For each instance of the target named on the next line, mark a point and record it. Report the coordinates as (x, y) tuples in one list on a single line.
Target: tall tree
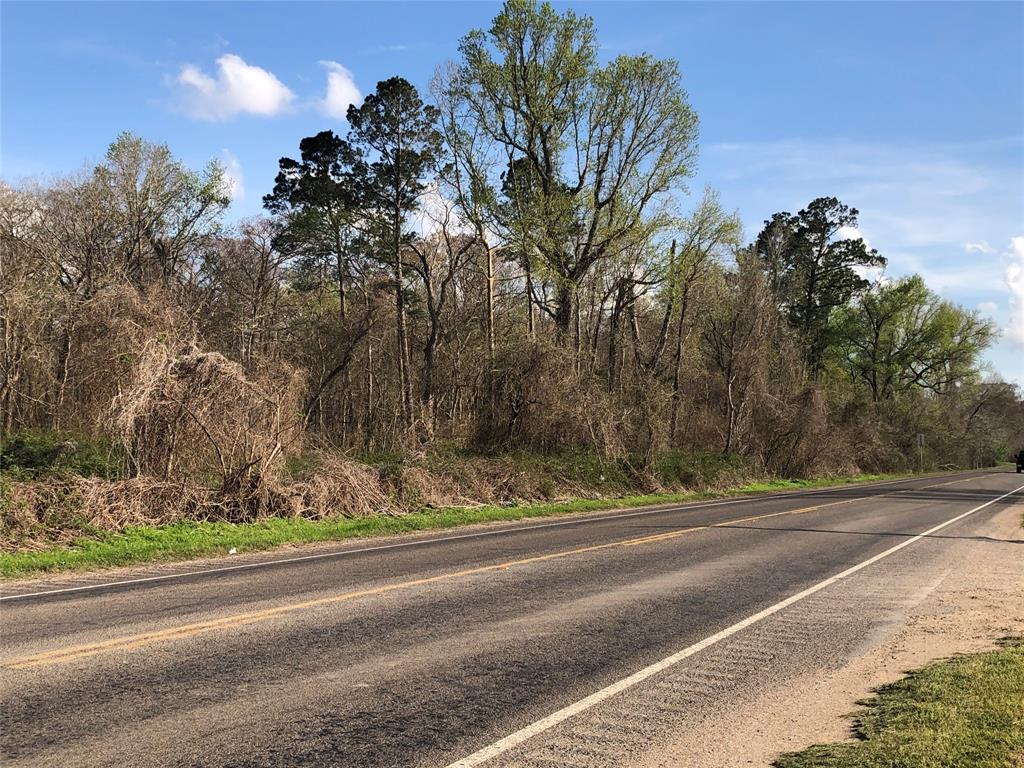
[(398, 145), (735, 338), (900, 336), (602, 147), (245, 277), (316, 196), (440, 255), (813, 270), (707, 235), (464, 180), (164, 212)]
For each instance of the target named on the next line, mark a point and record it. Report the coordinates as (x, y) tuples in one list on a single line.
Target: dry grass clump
[(63, 507), (340, 487), (419, 487), (190, 413), (58, 510), (54, 511)]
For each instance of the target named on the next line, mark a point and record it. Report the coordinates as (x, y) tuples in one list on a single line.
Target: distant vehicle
[(1020, 461)]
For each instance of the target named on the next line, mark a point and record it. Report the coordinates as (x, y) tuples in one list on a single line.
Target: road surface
[(579, 641)]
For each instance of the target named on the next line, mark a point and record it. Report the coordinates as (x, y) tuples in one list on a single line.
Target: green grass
[(185, 540), (766, 486), (35, 455), (965, 711)]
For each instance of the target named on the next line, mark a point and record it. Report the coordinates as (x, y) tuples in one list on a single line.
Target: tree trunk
[(531, 330), (564, 305), (576, 339), (347, 406), (490, 308), (400, 326), (677, 364), (613, 335), (731, 415), (63, 366), (429, 353)]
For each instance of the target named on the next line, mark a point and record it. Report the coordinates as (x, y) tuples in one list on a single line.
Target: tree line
[(509, 261)]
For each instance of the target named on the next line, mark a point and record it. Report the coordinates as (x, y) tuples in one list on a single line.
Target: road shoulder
[(964, 611)]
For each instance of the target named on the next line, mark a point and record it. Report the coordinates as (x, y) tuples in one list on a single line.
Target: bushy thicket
[(505, 299)]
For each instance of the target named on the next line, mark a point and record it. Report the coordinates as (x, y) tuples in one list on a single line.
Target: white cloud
[(917, 195), (1015, 282), (988, 308), (980, 247), (437, 211), (233, 175), (852, 233), (396, 48), (341, 90), (238, 88), (871, 274)]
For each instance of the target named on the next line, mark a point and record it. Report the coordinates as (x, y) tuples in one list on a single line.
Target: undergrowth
[(94, 547)]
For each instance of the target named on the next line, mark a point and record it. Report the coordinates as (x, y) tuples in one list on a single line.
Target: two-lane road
[(572, 641)]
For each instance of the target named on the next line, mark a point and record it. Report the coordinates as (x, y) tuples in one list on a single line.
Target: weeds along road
[(559, 642)]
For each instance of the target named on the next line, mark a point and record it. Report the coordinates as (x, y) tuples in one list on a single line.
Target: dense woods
[(510, 262)]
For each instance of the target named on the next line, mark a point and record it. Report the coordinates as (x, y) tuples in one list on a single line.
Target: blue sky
[(911, 112)]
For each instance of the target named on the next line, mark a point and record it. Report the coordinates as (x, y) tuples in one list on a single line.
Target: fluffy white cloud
[(988, 308), (341, 90), (436, 212), (238, 88), (979, 247), (1015, 282), (233, 175), (852, 233), (872, 274)]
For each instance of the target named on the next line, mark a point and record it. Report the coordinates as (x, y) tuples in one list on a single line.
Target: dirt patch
[(972, 605)]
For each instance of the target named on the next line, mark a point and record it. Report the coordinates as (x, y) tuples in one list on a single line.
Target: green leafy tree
[(901, 336), (706, 236), (812, 270), (398, 149), (593, 152), (164, 212), (316, 197)]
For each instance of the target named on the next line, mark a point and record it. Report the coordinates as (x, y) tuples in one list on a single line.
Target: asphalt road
[(565, 642)]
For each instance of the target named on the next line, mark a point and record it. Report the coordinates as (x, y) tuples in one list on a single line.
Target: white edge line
[(523, 734), (683, 507)]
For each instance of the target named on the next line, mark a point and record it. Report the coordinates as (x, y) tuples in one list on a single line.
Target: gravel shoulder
[(964, 610)]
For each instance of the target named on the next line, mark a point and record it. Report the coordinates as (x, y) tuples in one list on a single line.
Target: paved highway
[(577, 641)]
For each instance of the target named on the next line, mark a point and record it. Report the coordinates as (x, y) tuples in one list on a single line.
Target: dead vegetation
[(502, 352), (189, 413), (63, 507)]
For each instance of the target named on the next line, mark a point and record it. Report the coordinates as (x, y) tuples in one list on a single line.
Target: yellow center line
[(664, 536), (77, 652), (800, 511), (187, 630)]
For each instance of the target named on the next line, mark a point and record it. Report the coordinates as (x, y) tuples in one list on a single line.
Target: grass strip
[(964, 711), (184, 540)]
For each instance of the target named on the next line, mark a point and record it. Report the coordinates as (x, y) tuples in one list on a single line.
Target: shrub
[(36, 454)]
